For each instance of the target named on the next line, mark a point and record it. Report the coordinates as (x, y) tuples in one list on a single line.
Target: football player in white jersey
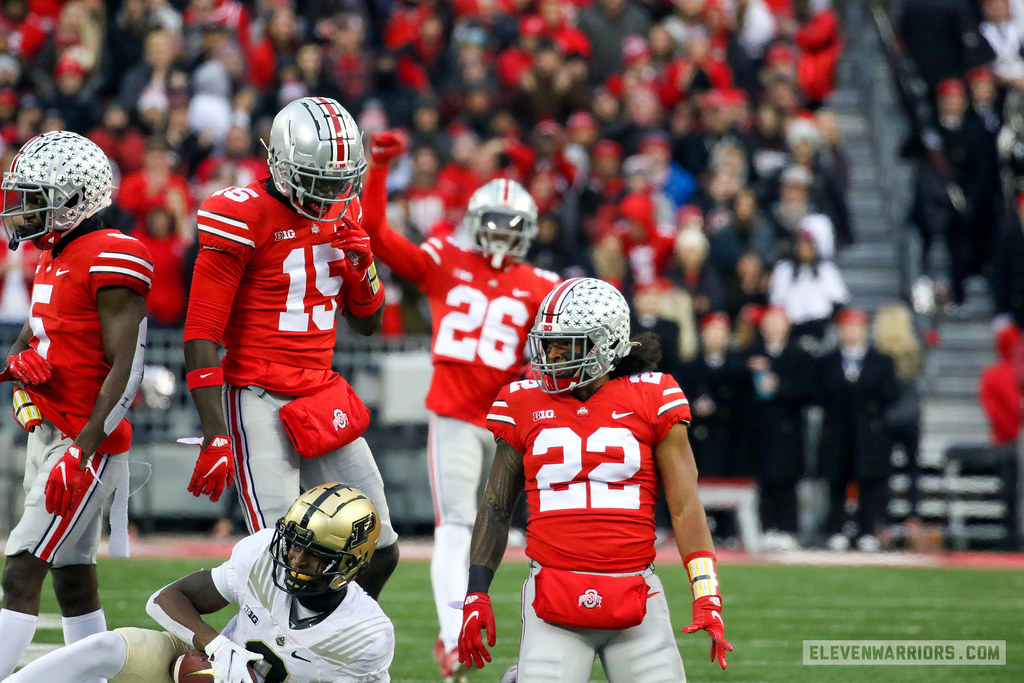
[(300, 616)]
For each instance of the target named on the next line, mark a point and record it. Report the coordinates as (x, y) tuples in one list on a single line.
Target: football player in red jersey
[(483, 299), (79, 359), (588, 440), (278, 261)]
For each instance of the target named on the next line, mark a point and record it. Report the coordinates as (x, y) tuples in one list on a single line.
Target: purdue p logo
[(340, 419), (590, 599)]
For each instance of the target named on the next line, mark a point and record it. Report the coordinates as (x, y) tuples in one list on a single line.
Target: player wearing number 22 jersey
[(588, 440), (483, 299), (279, 260)]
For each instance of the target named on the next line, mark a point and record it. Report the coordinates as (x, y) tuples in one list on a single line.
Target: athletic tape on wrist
[(205, 377), (700, 567)]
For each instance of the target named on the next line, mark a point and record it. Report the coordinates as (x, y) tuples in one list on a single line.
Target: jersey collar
[(94, 224)]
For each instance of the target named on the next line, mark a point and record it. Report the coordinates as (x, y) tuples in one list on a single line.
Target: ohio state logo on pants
[(340, 419), (590, 599)]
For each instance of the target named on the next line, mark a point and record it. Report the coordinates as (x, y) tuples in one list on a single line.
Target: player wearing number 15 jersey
[(482, 302), (588, 440), (279, 260)]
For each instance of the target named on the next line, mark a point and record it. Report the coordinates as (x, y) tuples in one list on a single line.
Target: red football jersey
[(479, 314), (591, 479), (65, 324), (281, 330)]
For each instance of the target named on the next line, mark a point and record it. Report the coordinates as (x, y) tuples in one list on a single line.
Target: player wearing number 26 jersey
[(279, 260), (588, 439), (482, 302)]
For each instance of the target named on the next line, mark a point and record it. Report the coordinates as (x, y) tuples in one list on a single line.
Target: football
[(194, 667)]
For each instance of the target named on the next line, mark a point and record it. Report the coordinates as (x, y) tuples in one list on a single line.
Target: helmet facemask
[(338, 567), (501, 235), (315, 192)]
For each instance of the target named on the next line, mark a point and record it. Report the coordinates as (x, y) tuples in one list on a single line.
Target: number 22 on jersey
[(596, 487), (480, 328)]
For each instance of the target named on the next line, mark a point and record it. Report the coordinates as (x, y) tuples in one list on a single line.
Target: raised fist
[(387, 146)]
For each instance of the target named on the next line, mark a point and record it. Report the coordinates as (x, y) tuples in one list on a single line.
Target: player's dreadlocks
[(643, 358)]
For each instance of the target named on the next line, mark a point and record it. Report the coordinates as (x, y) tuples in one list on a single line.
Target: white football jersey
[(355, 642)]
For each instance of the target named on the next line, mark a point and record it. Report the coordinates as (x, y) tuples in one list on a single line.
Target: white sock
[(83, 626), (17, 629), (95, 658), (449, 574), (76, 628)]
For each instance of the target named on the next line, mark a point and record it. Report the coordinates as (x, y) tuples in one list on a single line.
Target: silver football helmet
[(581, 332), (335, 524), (501, 221), (316, 157), (57, 180)]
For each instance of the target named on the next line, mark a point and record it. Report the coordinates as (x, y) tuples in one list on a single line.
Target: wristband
[(205, 377), (370, 290), (700, 567), (480, 577)]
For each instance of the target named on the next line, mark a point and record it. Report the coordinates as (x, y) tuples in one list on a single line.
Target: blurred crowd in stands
[(681, 149)]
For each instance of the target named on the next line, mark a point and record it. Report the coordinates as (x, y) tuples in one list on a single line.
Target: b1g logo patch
[(284, 235), (590, 599), (543, 414)]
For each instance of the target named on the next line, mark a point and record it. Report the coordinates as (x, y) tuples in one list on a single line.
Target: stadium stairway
[(885, 261)]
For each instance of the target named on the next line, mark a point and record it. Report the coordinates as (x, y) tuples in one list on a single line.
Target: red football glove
[(214, 470), (476, 614), (387, 146), (356, 245), (707, 615), (68, 482), (29, 367)]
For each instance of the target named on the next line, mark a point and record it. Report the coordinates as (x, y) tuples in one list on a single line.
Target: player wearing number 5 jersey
[(79, 358), (278, 261), (482, 302), (588, 440)]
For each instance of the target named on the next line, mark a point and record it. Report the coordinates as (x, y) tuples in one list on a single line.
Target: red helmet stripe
[(334, 116), (554, 298), (507, 186)]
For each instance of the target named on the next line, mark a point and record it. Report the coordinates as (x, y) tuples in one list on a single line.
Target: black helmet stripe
[(324, 495)]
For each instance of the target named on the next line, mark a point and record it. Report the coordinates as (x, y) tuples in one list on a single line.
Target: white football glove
[(230, 660)]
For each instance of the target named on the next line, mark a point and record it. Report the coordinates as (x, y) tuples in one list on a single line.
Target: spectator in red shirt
[(145, 190), (820, 45), (458, 179), (999, 391), (280, 42), (166, 302), (515, 61), (565, 36), (350, 65), (236, 166), (119, 140), (426, 201)]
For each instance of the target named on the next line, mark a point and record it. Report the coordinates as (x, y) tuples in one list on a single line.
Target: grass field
[(769, 611)]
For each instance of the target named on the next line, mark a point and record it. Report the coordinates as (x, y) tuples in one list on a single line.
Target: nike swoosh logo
[(223, 460), (298, 656), (205, 375), (472, 615), (61, 271), (63, 473), (616, 416), (520, 292), (716, 615)]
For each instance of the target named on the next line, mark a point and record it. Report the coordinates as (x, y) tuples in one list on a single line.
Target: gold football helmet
[(333, 522)]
